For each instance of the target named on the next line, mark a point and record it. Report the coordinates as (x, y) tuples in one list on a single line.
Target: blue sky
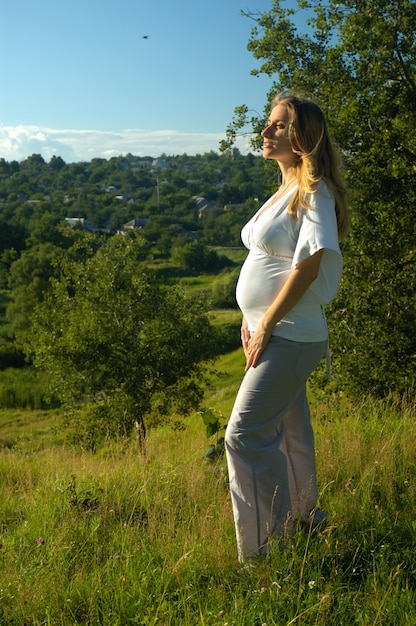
[(78, 79)]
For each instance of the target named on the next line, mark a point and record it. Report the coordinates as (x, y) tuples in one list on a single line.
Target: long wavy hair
[(317, 158)]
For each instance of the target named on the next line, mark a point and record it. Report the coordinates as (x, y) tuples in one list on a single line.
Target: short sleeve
[(319, 230)]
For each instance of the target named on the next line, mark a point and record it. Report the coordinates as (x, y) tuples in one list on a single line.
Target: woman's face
[(276, 143)]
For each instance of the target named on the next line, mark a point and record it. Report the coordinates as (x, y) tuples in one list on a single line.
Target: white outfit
[(269, 438), (276, 244)]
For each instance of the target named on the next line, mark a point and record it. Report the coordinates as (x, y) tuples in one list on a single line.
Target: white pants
[(270, 445)]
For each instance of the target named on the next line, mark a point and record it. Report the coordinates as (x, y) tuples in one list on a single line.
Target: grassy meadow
[(116, 539)]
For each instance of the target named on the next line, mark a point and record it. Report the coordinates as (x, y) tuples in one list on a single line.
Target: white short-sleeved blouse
[(276, 243)]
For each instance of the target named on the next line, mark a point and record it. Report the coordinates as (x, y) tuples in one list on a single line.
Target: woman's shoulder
[(323, 189), (320, 196)]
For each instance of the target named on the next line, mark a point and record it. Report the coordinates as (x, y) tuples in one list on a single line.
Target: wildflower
[(221, 613), (41, 541), (311, 584)]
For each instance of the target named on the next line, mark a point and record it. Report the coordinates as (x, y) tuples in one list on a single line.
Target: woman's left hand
[(258, 341)]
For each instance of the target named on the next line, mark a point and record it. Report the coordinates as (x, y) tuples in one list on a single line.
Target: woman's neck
[(286, 184), (289, 174)]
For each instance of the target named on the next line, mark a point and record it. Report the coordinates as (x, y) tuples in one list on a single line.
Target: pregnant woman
[(292, 269)]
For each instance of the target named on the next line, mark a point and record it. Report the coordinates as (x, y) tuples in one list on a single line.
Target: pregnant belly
[(261, 279)]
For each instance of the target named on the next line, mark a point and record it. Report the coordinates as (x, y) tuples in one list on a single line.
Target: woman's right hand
[(245, 336)]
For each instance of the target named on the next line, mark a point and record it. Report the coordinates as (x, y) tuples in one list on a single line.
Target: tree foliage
[(28, 279), (110, 336), (357, 59), (198, 258)]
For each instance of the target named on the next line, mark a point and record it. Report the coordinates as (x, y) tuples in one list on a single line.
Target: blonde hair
[(317, 158)]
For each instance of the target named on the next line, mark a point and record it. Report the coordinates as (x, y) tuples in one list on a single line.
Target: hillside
[(113, 538)]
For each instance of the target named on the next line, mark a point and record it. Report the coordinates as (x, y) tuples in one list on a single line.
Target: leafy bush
[(196, 257)]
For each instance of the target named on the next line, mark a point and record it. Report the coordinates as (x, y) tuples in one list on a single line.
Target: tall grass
[(116, 539)]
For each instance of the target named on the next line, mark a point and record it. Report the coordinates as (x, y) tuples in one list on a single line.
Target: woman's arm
[(300, 278)]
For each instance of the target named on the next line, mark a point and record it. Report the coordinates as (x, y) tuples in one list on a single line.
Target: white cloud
[(19, 142)]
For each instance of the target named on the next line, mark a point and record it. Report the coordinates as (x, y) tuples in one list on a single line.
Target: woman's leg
[(258, 468), (297, 444)]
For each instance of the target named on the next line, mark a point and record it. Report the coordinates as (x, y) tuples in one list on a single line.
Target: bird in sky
[(145, 37)]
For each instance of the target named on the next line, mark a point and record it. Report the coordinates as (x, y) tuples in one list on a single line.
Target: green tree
[(111, 338), (46, 226), (196, 257), (358, 60), (56, 163), (29, 279), (11, 235), (34, 163)]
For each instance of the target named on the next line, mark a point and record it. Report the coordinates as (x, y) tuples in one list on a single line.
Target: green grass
[(127, 540), (35, 430)]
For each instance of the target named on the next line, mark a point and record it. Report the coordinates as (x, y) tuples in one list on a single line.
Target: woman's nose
[(266, 131)]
